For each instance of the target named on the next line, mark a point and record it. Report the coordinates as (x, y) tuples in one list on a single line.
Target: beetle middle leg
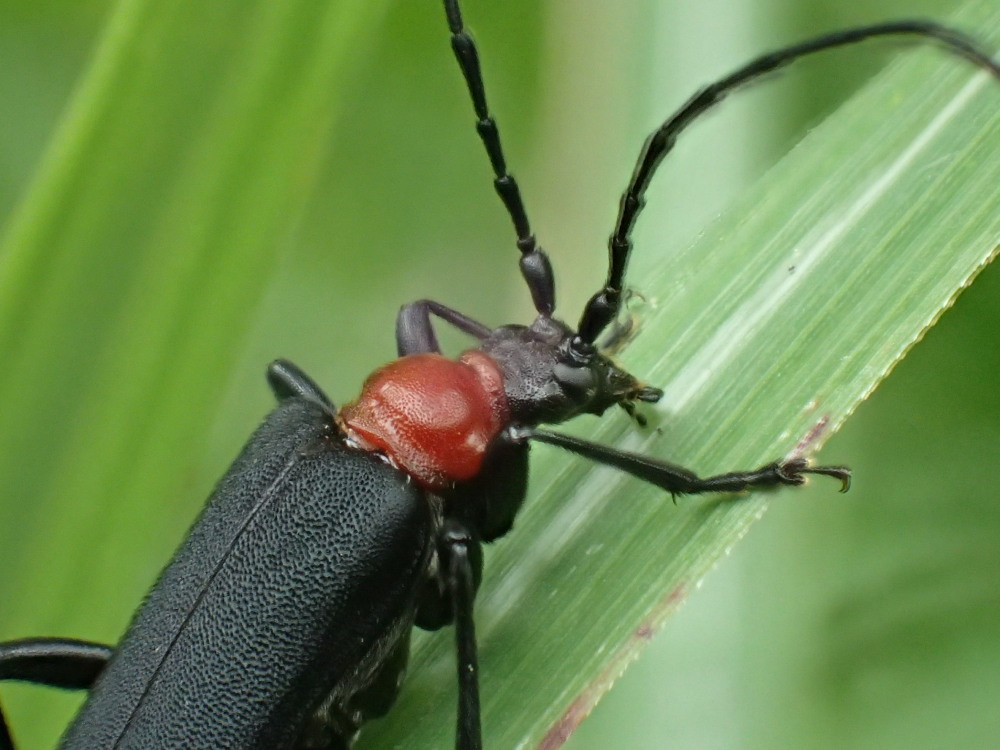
[(56, 662), (460, 547), (448, 597)]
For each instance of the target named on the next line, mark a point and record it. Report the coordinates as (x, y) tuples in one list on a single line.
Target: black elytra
[(284, 618)]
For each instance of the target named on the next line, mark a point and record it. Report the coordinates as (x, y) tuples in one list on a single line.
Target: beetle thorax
[(433, 417)]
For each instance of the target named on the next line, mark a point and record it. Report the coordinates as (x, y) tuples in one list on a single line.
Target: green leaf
[(765, 334), (129, 273)]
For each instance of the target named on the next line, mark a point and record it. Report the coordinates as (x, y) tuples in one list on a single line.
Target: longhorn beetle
[(283, 620)]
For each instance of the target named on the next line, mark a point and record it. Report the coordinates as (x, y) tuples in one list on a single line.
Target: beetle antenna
[(603, 307), (535, 266)]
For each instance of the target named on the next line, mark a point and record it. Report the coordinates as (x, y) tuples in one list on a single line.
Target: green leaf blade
[(765, 335), (129, 274)]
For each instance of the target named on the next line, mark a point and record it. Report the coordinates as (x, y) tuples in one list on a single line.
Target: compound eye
[(578, 381)]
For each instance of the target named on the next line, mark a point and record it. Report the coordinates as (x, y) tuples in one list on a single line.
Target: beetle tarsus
[(795, 468)]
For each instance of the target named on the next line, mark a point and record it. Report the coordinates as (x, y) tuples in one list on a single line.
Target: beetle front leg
[(287, 380), (415, 334), (680, 481), (57, 662)]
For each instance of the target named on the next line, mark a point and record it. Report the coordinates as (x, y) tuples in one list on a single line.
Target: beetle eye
[(577, 380)]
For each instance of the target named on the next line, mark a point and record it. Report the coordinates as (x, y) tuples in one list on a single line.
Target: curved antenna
[(535, 266), (603, 307)]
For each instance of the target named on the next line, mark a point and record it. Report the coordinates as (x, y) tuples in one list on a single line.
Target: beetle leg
[(335, 724), (415, 334), (288, 381), (459, 552), (490, 501), (680, 481), (57, 662)]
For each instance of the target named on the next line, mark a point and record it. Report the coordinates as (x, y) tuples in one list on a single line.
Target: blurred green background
[(857, 621)]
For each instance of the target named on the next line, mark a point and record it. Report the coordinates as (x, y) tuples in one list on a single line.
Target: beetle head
[(551, 375)]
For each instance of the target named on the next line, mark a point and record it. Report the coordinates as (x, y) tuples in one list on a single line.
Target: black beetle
[(264, 630)]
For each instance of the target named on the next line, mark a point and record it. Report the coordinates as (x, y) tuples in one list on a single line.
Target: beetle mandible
[(394, 493)]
